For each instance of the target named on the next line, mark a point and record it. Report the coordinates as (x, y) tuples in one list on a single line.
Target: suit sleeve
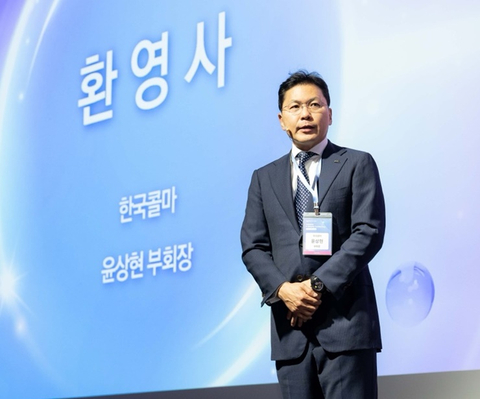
[(256, 244), (366, 214)]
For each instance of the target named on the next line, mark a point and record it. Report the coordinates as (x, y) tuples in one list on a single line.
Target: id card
[(317, 233)]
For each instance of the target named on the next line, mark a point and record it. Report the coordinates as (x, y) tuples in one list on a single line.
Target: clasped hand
[(301, 300)]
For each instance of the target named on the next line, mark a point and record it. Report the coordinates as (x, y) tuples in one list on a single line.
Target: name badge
[(317, 233)]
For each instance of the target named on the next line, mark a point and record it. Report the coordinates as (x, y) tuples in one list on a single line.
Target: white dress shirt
[(311, 165)]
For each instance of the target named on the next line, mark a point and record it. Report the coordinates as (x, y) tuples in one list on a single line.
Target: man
[(325, 331)]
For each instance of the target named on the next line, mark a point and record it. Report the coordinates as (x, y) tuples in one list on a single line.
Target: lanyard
[(312, 188)]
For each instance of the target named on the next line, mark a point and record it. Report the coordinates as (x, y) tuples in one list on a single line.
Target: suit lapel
[(333, 159), (281, 180)]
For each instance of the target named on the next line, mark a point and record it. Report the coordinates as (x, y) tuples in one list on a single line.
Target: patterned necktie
[(303, 195)]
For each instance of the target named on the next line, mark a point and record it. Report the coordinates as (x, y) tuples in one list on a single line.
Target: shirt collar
[(317, 149)]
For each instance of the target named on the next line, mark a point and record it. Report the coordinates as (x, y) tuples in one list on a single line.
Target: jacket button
[(299, 278)]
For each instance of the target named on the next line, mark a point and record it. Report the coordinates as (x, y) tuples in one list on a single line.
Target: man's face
[(305, 115)]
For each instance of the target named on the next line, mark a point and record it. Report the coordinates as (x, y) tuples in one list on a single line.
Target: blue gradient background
[(403, 81)]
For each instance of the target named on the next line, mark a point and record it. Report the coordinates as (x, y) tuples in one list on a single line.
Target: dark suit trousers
[(321, 375)]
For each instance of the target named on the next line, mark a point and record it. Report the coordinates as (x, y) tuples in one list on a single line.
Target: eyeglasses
[(296, 109)]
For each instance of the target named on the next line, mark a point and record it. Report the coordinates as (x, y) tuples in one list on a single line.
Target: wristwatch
[(317, 284)]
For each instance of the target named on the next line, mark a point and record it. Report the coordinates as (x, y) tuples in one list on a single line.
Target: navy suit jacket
[(349, 187)]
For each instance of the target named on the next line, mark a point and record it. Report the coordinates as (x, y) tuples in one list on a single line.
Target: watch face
[(317, 284)]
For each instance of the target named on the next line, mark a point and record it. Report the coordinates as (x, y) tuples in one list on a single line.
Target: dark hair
[(302, 77)]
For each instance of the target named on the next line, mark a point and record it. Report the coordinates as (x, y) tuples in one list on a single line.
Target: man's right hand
[(301, 300)]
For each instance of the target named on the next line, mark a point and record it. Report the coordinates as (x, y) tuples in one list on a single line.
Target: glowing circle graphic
[(410, 294)]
